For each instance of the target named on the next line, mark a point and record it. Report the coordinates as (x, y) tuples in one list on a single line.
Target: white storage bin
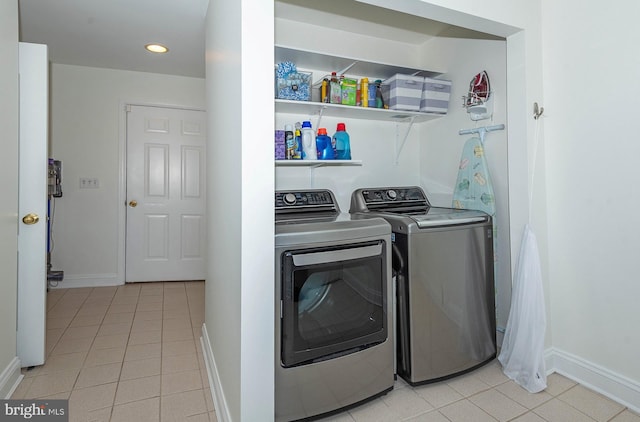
[(403, 92), (435, 96)]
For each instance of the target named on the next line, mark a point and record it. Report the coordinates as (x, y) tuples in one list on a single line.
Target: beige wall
[(9, 185), (87, 131)]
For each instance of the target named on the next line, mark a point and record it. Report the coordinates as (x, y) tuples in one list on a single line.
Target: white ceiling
[(112, 33)]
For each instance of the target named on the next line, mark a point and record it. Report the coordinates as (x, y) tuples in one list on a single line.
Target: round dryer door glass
[(313, 292)]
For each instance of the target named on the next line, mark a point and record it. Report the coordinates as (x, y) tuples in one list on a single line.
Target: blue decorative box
[(291, 84), (295, 86)]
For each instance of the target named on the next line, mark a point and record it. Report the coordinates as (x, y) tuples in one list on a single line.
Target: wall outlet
[(89, 183)]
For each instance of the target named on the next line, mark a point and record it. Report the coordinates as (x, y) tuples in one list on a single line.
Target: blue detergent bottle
[(323, 145), (341, 143)]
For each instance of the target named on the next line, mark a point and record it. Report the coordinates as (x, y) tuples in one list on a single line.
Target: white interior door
[(166, 233), (32, 204)]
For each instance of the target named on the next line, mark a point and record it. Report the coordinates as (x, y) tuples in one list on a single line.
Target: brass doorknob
[(133, 203), (30, 218)]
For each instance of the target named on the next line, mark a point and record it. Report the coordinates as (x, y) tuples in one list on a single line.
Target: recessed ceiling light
[(156, 48)]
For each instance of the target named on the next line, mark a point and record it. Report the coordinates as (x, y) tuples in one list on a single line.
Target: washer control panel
[(389, 199), (393, 194)]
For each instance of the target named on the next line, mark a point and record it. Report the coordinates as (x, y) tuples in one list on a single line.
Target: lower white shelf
[(317, 163)]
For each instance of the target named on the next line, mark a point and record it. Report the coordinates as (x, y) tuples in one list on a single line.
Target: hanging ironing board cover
[(473, 189)]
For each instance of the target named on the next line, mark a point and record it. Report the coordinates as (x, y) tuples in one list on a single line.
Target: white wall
[(86, 134), (239, 290), (441, 145), (9, 368), (591, 93), (373, 143), (223, 295)]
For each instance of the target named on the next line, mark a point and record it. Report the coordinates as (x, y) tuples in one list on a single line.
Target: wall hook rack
[(537, 111), (482, 131)]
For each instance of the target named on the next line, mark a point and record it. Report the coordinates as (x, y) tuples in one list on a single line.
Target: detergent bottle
[(323, 145), (309, 151), (342, 143)]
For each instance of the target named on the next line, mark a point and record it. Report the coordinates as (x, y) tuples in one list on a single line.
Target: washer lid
[(409, 205), (448, 216)]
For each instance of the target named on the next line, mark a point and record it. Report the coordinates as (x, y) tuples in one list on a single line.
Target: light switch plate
[(89, 183)]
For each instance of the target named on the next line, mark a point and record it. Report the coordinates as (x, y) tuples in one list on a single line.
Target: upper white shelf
[(354, 112), (328, 63), (311, 60)]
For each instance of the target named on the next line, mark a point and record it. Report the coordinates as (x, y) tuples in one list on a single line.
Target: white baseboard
[(602, 380), (10, 378), (219, 401), (499, 337), (71, 281)]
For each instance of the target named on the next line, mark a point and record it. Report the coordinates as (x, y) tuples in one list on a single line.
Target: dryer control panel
[(305, 201)]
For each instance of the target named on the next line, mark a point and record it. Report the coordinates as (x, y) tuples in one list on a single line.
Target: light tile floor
[(127, 353), (132, 353), (486, 394)]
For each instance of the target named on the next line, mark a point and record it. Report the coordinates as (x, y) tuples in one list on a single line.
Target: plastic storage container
[(435, 96), (294, 86), (323, 145), (342, 143), (403, 92), (309, 151)]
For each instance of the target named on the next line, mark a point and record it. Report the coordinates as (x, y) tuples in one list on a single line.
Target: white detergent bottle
[(309, 151)]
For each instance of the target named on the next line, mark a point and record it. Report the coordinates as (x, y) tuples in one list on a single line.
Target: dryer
[(333, 320), (443, 261)]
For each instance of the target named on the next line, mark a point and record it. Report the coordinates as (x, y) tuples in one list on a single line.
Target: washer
[(333, 322), (443, 262)]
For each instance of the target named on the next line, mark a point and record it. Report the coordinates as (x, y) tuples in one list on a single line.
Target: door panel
[(156, 177), (193, 237), (191, 172), (157, 237), (165, 194)]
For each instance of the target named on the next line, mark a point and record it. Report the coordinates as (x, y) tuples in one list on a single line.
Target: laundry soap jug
[(309, 151), (341, 142), (323, 145)]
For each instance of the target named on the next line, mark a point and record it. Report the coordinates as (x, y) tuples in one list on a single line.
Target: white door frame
[(122, 175), (32, 237)]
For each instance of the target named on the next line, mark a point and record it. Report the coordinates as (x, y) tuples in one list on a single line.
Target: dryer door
[(333, 301)]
